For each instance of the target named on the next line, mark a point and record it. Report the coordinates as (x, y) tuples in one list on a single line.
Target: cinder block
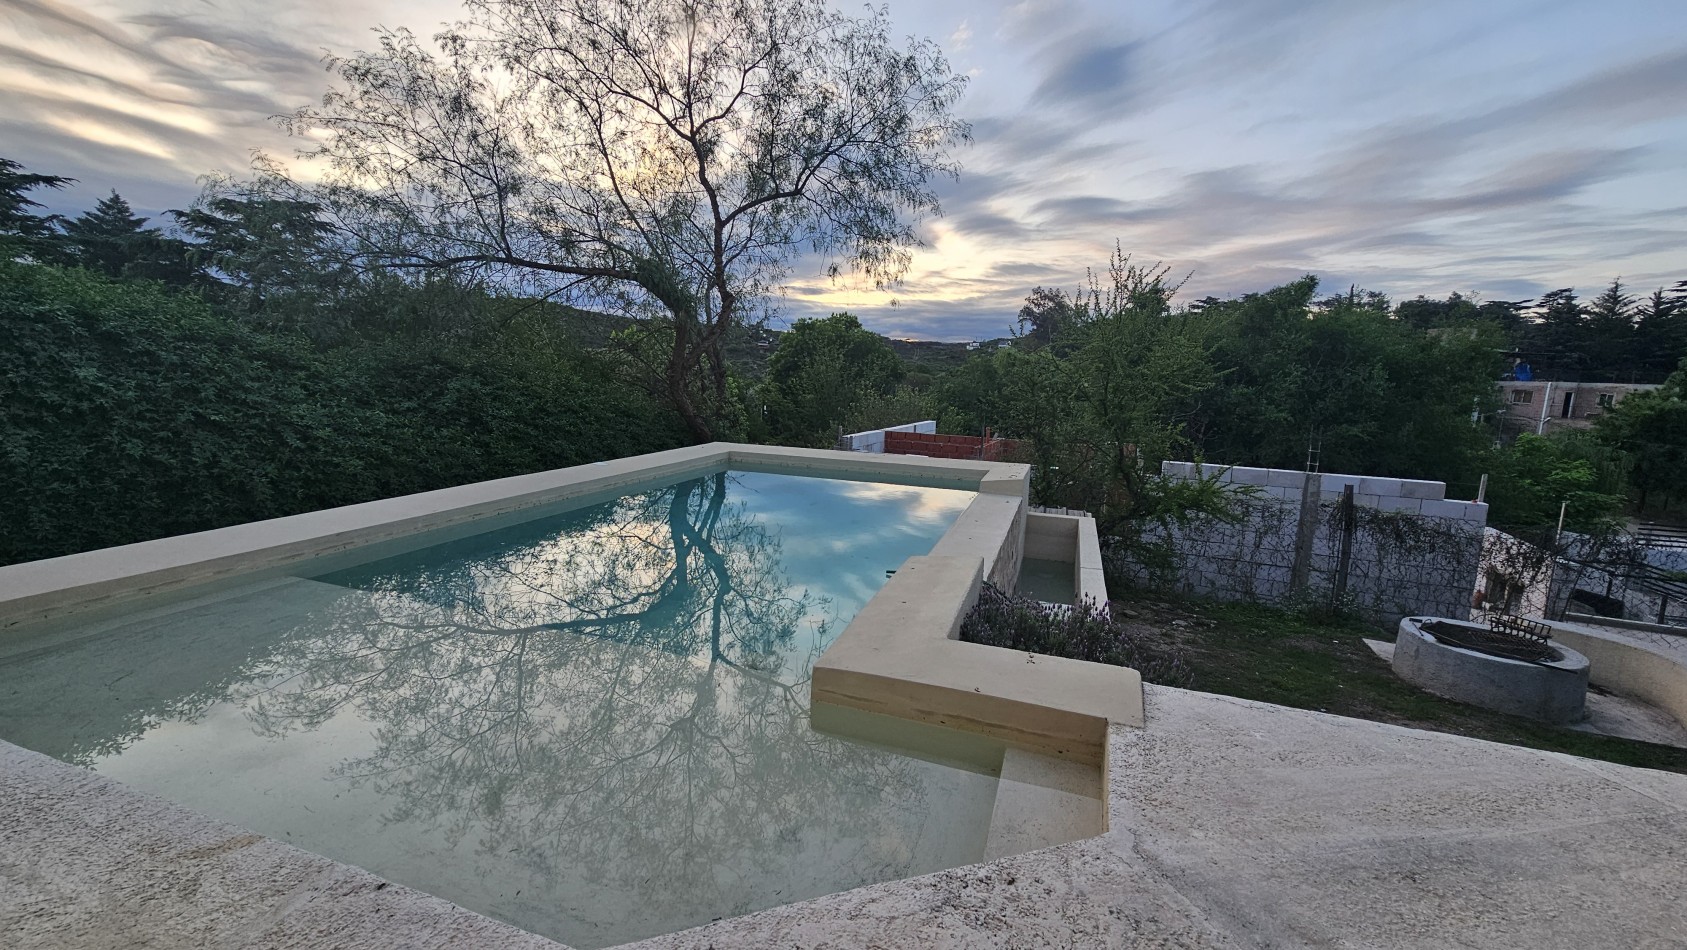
[(1249, 476), (1461, 510), (1285, 478), (1397, 503), (1336, 483), (1379, 486), (1413, 488)]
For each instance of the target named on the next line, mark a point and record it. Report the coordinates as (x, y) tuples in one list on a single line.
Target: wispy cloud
[(1411, 146)]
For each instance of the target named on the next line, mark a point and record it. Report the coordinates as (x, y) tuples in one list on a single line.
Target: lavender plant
[(1085, 631)]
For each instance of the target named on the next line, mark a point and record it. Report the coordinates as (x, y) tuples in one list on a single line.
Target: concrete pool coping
[(900, 657), (41, 590)]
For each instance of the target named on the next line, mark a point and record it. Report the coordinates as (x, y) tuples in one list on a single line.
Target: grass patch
[(1293, 659)]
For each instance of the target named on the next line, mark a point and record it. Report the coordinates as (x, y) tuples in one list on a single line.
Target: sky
[(1501, 148)]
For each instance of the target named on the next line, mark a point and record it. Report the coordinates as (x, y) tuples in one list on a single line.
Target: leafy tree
[(1358, 299), (824, 372), (1111, 396), (1375, 395), (1143, 370), (267, 254), (971, 393), (1046, 314), (1534, 476), (1651, 428), (1457, 309), (901, 405), (1423, 313), (129, 412), (669, 157), (23, 233)]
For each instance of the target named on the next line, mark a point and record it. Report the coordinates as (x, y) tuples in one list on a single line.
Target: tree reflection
[(625, 704)]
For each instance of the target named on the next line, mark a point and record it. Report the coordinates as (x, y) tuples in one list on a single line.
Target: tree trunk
[(681, 365)]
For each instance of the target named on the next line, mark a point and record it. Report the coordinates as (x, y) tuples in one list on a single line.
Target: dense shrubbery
[(130, 412), (1086, 631), (238, 367)]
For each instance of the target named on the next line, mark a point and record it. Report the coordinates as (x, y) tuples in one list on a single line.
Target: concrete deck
[(1233, 824)]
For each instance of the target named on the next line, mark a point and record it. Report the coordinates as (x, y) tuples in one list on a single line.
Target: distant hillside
[(926, 356), (748, 348)]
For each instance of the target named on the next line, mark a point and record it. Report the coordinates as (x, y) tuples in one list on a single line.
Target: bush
[(129, 412), (1086, 631)]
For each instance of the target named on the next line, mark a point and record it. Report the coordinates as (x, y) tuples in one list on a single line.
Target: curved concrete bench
[(1630, 668)]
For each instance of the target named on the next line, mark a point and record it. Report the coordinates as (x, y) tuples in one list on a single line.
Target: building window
[(1607, 400), (1569, 404), (1522, 395)]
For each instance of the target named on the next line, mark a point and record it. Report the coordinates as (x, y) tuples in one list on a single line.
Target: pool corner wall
[(1069, 539)]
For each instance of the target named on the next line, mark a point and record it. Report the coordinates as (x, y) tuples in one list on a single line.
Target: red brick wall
[(947, 446)]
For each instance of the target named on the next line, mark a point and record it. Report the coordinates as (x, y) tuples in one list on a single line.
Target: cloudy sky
[(1502, 147)]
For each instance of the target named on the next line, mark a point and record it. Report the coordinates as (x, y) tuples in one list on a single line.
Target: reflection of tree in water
[(620, 700)]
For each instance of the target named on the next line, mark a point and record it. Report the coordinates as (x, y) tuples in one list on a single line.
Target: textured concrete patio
[(1233, 824)]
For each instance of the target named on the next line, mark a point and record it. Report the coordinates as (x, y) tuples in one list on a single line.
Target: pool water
[(592, 724), (1048, 581)]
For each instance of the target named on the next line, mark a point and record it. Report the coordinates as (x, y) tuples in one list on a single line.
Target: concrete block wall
[(874, 439), (1412, 551), (1384, 494)]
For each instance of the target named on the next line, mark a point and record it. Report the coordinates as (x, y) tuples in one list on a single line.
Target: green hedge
[(128, 412)]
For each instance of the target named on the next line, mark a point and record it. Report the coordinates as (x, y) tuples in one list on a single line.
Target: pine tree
[(1610, 334), (1660, 333), (1557, 336), (109, 238), (22, 232)]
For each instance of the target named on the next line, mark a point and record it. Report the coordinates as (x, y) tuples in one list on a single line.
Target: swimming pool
[(592, 722)]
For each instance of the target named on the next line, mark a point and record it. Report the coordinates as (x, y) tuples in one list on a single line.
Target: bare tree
[(669, 158)]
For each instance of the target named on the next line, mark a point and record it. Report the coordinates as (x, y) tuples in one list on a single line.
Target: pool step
[(1043, 801)]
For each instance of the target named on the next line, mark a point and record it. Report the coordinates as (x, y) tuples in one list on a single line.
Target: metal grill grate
[(1512, 638)]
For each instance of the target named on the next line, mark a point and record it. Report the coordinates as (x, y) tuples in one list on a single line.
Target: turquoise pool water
[(592, 724)]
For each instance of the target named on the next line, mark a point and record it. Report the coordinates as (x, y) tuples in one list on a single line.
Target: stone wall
[(1410, 549)]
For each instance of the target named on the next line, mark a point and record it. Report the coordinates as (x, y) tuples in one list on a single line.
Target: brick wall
[(934, 445)]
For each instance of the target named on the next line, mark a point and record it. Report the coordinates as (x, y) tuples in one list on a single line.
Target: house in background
[(1542, 406)]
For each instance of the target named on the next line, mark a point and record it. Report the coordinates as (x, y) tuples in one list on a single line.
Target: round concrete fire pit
[(1486, 667)]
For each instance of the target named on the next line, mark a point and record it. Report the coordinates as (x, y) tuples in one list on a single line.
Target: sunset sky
[(1502, 148)]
